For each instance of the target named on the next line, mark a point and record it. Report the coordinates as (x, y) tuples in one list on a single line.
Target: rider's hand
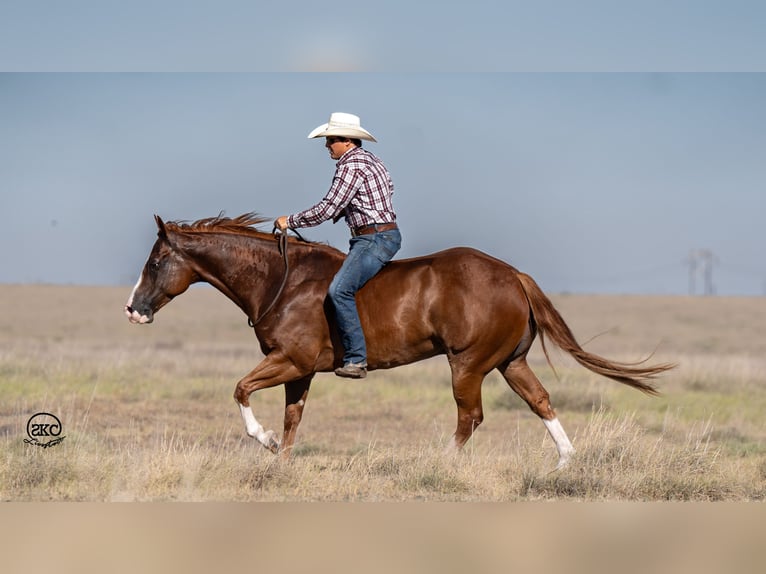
[(281, 222)]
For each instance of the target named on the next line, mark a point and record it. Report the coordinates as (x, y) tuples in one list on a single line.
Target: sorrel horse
[(479, 311)]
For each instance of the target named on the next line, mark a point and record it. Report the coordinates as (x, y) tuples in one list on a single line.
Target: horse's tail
[(549, 322)]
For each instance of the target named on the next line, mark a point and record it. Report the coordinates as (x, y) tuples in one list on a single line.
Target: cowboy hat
[(344, 125)]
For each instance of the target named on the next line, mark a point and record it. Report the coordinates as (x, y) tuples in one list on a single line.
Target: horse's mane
[(242, 224)]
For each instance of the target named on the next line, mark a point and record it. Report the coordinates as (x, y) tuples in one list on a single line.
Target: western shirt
[(361, 192)]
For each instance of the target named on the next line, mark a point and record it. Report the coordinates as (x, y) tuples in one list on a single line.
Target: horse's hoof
[(271, 442), (563, 463)]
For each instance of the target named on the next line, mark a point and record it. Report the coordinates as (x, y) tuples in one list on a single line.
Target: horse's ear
[(161, 233)]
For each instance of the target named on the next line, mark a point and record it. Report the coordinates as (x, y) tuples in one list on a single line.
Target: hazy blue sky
[(589, 182), (391, 35), (592, 182)]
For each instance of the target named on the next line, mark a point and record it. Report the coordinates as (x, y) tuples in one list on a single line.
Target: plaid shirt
[(360, 191)]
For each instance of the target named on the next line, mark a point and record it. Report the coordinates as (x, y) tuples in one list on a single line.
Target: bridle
[(281, 237)]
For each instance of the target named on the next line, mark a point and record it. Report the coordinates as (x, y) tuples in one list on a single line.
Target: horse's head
[(165, 275)]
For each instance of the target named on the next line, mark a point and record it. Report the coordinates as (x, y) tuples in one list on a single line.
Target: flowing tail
[(550, 323)]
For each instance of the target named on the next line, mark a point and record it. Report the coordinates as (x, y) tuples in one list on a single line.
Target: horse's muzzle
[(136, 317)]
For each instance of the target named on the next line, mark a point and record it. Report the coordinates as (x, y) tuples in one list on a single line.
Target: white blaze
[(133, 315)]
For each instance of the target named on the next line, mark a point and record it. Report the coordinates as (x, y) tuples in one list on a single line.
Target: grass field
[(148, 412)]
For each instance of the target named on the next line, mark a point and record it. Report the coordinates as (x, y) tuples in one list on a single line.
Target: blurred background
[(602, 147), (591, 182)]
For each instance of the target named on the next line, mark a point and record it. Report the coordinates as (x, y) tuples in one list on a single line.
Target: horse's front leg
[(274, 370), (295, 399)]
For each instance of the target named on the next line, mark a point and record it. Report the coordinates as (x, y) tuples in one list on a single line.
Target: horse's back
[(459, 268), (450, 299)]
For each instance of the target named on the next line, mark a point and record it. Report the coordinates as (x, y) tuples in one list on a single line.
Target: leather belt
[(373, 228)]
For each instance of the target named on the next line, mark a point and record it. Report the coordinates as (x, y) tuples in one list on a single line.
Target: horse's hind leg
[(295, 400), (466, 388), (522, 380)]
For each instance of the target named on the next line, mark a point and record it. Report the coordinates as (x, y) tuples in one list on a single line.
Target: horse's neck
[(220, 260)]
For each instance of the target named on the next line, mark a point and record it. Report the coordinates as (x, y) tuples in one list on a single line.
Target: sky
[(595, 147), (589, 182), (395, 35)]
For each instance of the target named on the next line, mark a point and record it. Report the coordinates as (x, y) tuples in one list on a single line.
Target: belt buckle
[(360, 230)]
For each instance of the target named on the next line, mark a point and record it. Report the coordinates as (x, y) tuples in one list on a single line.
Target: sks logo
[(44, 429)]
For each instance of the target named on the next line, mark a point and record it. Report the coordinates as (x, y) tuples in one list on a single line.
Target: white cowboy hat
[(344, 125)]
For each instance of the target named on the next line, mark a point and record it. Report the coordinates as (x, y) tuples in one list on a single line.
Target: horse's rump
[(445, 302)]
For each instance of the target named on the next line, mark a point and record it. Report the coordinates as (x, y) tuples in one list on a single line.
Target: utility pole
[(692, 261), (701, 263)]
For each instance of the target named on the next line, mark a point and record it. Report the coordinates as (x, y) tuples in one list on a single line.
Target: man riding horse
[(361, 193)]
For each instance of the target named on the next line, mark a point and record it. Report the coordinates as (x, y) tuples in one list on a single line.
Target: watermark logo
[(44, 429)]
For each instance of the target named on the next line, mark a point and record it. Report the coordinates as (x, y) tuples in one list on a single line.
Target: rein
[(282, 246)]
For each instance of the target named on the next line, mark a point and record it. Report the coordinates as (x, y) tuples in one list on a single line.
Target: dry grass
[(148, 412)]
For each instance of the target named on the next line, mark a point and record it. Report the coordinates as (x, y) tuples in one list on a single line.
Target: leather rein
[(281, 237)]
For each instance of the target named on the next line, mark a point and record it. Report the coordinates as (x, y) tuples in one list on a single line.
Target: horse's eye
[(154, 265)]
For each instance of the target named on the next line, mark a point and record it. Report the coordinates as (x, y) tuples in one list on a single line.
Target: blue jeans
[(366, 256)]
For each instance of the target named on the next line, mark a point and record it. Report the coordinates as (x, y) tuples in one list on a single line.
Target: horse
[(479, 311)]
